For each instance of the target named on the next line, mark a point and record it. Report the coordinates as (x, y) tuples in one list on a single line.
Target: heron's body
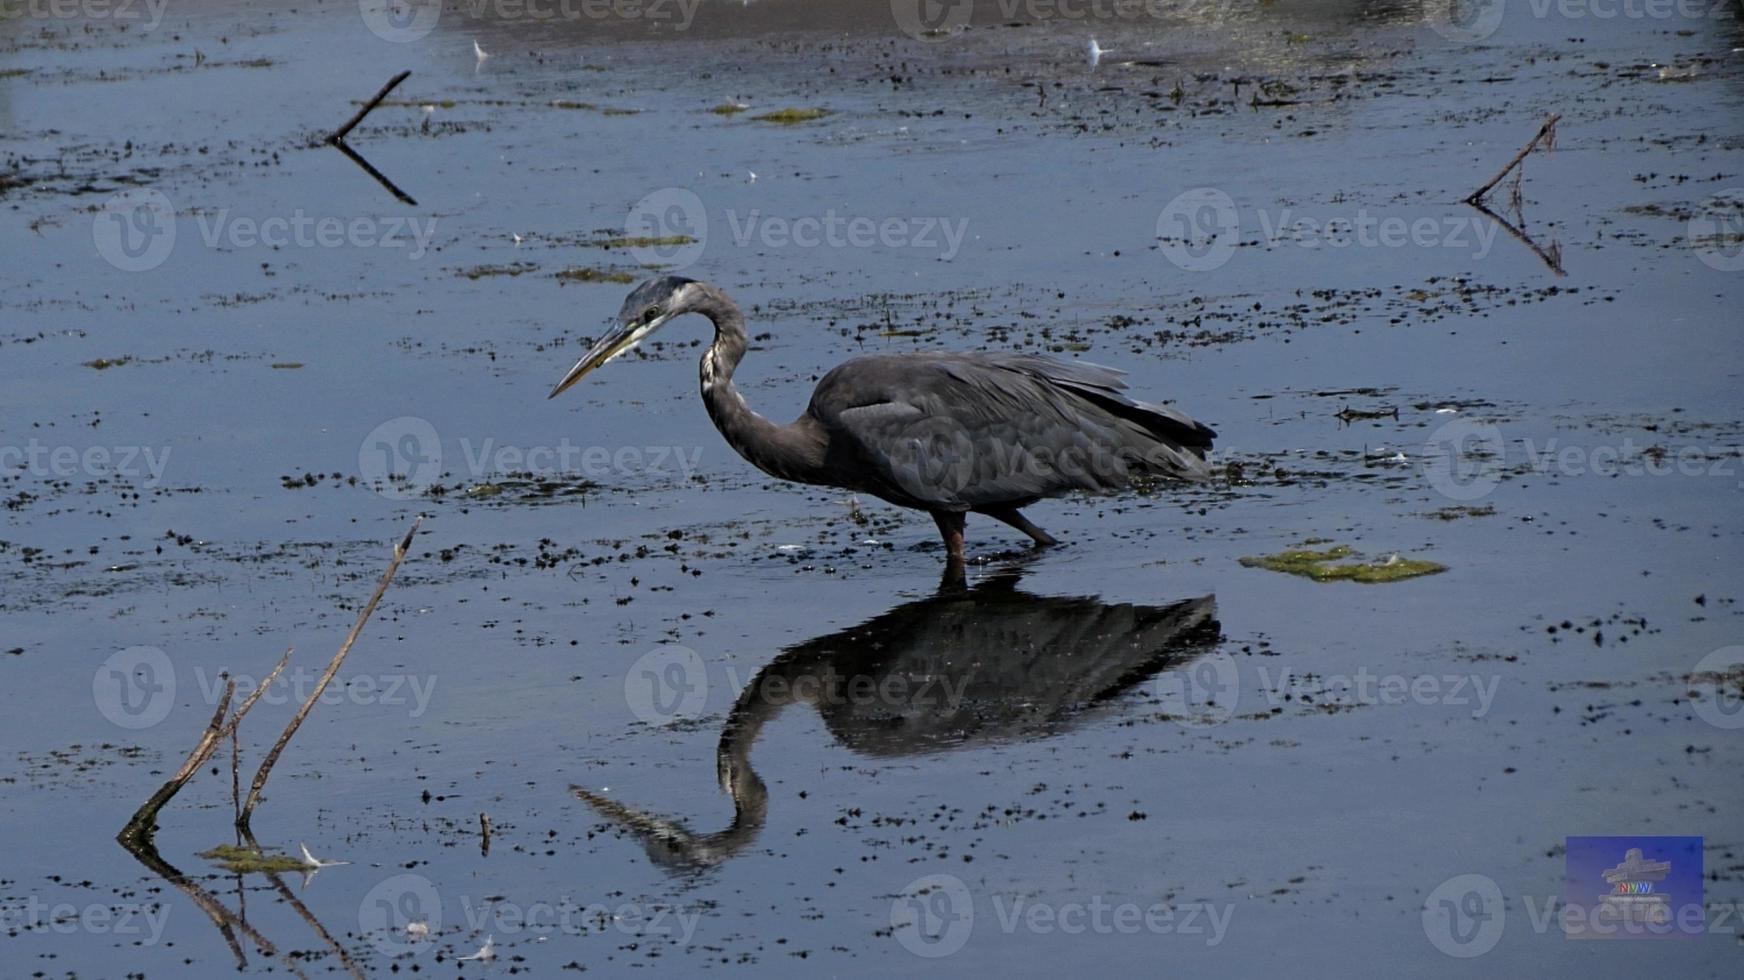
[(947, 433)]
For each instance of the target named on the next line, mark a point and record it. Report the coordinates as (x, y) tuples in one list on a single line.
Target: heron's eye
[(650, 314)]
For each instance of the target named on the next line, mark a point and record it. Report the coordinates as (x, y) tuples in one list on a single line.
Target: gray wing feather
[(961, 431)]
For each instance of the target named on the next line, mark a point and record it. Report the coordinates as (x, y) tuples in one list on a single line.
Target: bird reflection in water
[(961, 669)]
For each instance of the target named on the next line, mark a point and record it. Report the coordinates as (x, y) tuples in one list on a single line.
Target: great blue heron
[(945, 433), (952, 671)]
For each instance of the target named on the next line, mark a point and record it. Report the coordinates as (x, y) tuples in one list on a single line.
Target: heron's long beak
[(611, 345)]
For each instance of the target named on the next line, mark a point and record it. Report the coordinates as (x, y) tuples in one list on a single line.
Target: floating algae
[(595, 275), (792, 117), (247, 860), (1319, 566), (641, 241)]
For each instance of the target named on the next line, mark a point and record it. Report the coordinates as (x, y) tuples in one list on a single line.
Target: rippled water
[(717, 721)]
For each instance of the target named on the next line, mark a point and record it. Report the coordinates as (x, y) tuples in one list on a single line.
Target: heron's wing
[(958, 431)]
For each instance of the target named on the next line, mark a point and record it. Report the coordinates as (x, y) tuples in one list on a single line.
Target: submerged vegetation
[(792, 117), (247, 860), (1322, 566)]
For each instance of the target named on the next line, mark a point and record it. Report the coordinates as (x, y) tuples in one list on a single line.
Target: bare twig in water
[(139, 828), (484, 830), (1546, 134), (272, 756), (338, 135), (236, 722)]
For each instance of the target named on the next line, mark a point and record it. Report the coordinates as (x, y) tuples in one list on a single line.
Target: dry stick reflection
[(959, 669), (227, 922), (1551, 256), (337, 139)]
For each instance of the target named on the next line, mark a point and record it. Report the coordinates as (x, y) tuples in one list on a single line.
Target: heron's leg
[(1011, 516), (951, 524)]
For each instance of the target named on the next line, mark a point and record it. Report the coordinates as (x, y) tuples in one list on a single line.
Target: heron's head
[(646, 310)]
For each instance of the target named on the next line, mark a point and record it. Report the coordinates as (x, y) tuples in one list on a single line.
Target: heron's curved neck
[(785, 451)]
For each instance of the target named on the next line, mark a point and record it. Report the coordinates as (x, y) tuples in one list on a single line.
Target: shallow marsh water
[(1290, 768)]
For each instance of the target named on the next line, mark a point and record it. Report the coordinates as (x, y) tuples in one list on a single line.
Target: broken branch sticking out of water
[(1546, 134), (139, 828), (339, 134), (260, 776)]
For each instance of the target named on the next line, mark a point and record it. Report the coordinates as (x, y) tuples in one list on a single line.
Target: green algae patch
[(729, 109), (1328, 565), (1461, 511), (792, 117), (642, 241), (247, 860), (595, 275)]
